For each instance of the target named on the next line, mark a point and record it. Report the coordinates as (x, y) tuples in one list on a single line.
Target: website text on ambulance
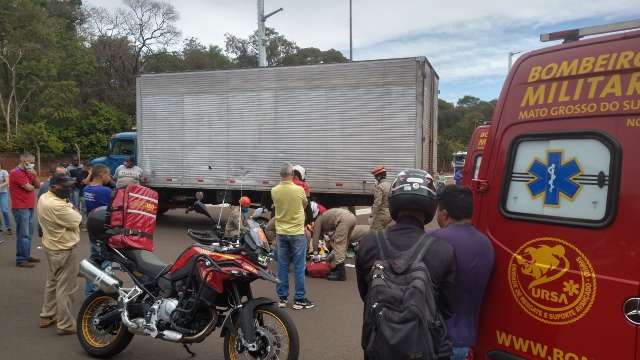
[(534, 348), (612, 86)]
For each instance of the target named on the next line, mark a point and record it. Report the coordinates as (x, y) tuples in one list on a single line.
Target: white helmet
[(301, 171)]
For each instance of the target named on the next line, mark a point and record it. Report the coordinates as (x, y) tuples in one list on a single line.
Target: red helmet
[(378, 170), (245, 202)]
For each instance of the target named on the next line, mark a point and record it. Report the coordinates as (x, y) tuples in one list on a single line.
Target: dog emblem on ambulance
[(552, 280)]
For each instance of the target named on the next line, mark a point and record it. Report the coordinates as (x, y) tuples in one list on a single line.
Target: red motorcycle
[(208, 287)]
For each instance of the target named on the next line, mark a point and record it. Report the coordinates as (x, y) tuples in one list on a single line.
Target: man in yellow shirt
[(60, 224), (290, 201)]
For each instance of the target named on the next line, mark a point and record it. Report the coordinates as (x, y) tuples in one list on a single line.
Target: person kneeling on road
[(60, 223), (342, 222), (238, 219)]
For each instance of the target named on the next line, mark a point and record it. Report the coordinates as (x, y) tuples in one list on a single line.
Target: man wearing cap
[(380, 216), (238, 219), (60, 223)]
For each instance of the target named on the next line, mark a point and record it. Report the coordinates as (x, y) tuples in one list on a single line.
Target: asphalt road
[(329, 331)]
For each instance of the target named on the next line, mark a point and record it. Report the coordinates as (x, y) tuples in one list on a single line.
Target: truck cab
[(474, 154), (121, 146), (558, 195)]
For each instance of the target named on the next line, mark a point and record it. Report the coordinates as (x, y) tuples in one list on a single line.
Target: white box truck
[(229, 130)]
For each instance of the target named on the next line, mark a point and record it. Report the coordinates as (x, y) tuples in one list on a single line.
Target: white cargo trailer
[(220, 131)]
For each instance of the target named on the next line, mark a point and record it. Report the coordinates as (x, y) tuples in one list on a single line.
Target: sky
[(467, 41)]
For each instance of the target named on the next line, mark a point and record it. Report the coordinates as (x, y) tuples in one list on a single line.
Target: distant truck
[(224, 131)]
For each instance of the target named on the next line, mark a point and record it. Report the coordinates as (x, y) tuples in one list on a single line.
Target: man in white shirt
[(128, 173)]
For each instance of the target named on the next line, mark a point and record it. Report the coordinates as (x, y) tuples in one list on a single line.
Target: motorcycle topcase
[(132, 217)]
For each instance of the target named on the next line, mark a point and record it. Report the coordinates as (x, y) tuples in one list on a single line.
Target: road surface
[(330, 331)]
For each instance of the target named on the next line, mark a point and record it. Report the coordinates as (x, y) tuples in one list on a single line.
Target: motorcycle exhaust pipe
[(98, 277)]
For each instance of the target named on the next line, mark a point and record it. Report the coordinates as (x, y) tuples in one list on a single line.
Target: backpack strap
[(424, 244)]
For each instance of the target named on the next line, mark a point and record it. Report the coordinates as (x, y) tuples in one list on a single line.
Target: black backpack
[(401, 320)]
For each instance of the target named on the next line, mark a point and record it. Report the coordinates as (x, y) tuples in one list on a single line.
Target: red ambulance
[(474, 154), (558, 194)]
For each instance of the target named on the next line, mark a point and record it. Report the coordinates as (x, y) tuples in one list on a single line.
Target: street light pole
[(511, 53), (262, 51), (350, 31)]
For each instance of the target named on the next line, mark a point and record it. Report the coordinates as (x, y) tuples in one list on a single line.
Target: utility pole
[(511, 53), (350, 31), (262, 51)]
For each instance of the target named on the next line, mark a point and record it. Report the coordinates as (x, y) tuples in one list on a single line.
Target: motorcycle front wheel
[(101, 341), (276, 337)]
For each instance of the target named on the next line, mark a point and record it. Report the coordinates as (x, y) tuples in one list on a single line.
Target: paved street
[(330, 331)]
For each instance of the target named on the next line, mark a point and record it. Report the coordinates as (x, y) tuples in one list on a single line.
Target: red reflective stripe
[(338, 184)]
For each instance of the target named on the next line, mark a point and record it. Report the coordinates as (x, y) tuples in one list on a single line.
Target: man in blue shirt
[(97, 194), (474, 262)]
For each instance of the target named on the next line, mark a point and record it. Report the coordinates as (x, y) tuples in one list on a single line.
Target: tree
[(37, 136), (114, 81), (197, 57), (27, 52), (312, 56), (457, 123), (244, 53), (149, 25), (280, 51)]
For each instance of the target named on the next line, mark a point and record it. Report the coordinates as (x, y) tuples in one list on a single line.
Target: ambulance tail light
[(577, 34)]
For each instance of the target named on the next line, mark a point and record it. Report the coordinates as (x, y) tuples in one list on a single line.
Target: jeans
[(75, 198), (460, 353), (24, 232), (291, 249), (96, 258), (4, 207)]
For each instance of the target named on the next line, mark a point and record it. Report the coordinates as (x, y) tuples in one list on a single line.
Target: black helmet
[(413, 189), (96, 223)]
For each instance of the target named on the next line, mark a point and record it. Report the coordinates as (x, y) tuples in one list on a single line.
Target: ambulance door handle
[(631, 310)]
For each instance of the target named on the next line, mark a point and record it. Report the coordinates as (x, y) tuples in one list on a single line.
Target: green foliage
[(99, 122), (280, 51), (456, 124), (38, 135)]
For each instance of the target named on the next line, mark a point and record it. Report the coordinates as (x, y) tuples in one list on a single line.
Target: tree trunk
[(38, 155), (77, 150)]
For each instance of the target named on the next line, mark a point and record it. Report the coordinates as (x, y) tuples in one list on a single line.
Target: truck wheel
[(163, 208)]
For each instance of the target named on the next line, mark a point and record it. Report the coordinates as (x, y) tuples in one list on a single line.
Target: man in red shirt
[(23, 181)]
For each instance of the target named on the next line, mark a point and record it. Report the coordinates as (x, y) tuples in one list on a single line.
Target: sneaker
[(303, 304), (9, 232), (25, 265), (46, 322), (64, 332), (282, 303), (32, 259)]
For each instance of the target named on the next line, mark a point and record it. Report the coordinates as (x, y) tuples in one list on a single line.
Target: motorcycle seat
[(147, 262)]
